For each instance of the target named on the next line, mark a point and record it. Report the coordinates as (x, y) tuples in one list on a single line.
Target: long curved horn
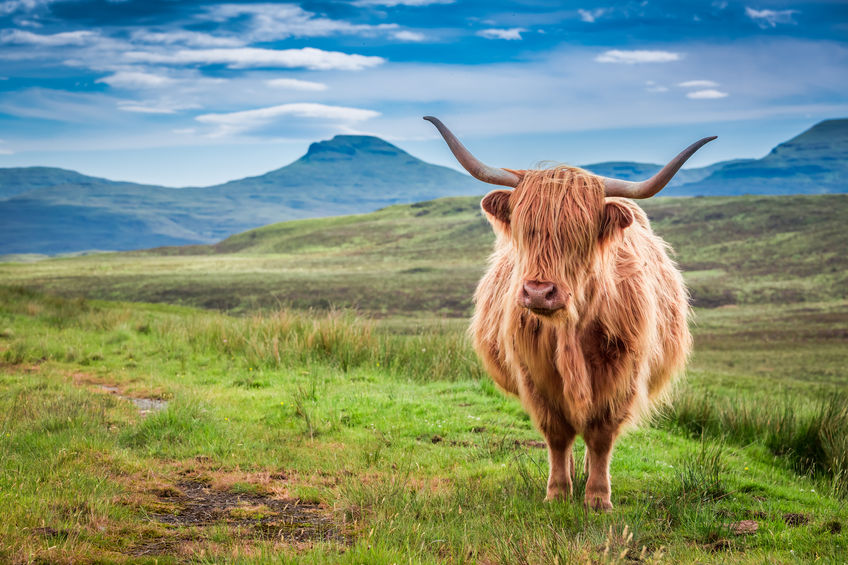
[(478, 170), (647, 188)]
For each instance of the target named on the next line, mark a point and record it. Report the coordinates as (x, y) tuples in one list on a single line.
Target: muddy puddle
[(247, 516), (145, 405)]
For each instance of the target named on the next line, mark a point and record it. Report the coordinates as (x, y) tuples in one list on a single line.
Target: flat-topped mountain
[(355, 173)]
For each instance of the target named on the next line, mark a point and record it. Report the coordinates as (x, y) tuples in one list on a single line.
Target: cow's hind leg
[(559, 437), (599, 437)]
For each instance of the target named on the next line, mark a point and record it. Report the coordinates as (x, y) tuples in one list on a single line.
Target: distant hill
[(815, 162), (630, 170), (14, 181), (48, 210), (56, 211)]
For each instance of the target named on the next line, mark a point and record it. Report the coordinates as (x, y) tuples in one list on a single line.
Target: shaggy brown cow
[(581, 314)]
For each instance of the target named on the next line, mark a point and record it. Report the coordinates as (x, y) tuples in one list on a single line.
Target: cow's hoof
[(558, 493), (599, 502)]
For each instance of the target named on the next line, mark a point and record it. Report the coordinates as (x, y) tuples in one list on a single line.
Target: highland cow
[(582, 314)]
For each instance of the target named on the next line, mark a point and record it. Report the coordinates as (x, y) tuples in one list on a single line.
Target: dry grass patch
[(196, 510)]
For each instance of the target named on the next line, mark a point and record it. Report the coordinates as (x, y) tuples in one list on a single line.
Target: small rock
[(49, 532), (531, 443)]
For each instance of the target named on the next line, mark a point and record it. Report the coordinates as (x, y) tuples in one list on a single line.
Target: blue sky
[(193, 93)]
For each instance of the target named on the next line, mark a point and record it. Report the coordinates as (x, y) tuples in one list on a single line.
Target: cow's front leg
[(599, 438), (560, 460)]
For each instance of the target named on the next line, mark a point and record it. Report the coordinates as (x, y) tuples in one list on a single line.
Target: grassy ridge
[(406, 466), (426, 258)]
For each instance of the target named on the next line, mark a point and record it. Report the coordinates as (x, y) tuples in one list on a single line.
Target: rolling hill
[(426, 258), (51, 211)]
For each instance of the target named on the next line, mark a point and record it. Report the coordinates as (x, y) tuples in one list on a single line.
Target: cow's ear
[(617, 217), (496, 206)]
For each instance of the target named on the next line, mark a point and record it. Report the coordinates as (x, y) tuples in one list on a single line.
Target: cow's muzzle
[(542, 297)]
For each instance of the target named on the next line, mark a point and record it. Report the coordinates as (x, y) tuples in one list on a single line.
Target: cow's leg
[(599, 437), (560, 438)]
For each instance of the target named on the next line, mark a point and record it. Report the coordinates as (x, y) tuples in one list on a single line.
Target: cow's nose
[(542, 297)]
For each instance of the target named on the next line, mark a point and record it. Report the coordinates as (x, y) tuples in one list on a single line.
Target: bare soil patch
[(191, 506), (796, 519)]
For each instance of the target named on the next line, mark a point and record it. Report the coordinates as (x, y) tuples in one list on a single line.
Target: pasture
[(281, 429)]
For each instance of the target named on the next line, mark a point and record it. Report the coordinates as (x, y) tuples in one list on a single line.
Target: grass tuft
[(813, 439), (700, 477)]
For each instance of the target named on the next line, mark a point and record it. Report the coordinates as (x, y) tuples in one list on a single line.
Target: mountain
[(814, 162), (353, 173), (46, 210), (55, 211), (630, 170)]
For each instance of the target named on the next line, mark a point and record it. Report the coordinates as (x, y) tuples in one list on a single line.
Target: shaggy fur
[(604, 360)]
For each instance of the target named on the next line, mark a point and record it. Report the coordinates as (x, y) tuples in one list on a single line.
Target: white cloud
[(278, 21), (589, 16), (296, 84), (18, 36), (637, 56), (188, 38), (770, 18), (697, 84), (145, 109), (155, 107), (392, 3), (238, 122), (509, 34), (706, 94), (135, 79), (246, 57), (651, 86), (12, 6), (409, 36)]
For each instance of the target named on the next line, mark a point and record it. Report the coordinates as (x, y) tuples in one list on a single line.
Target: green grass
[(341, 377), (407, 466)]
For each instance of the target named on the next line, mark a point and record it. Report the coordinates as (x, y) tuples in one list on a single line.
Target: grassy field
[(286, 437), (283, 430), (423, 260)]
